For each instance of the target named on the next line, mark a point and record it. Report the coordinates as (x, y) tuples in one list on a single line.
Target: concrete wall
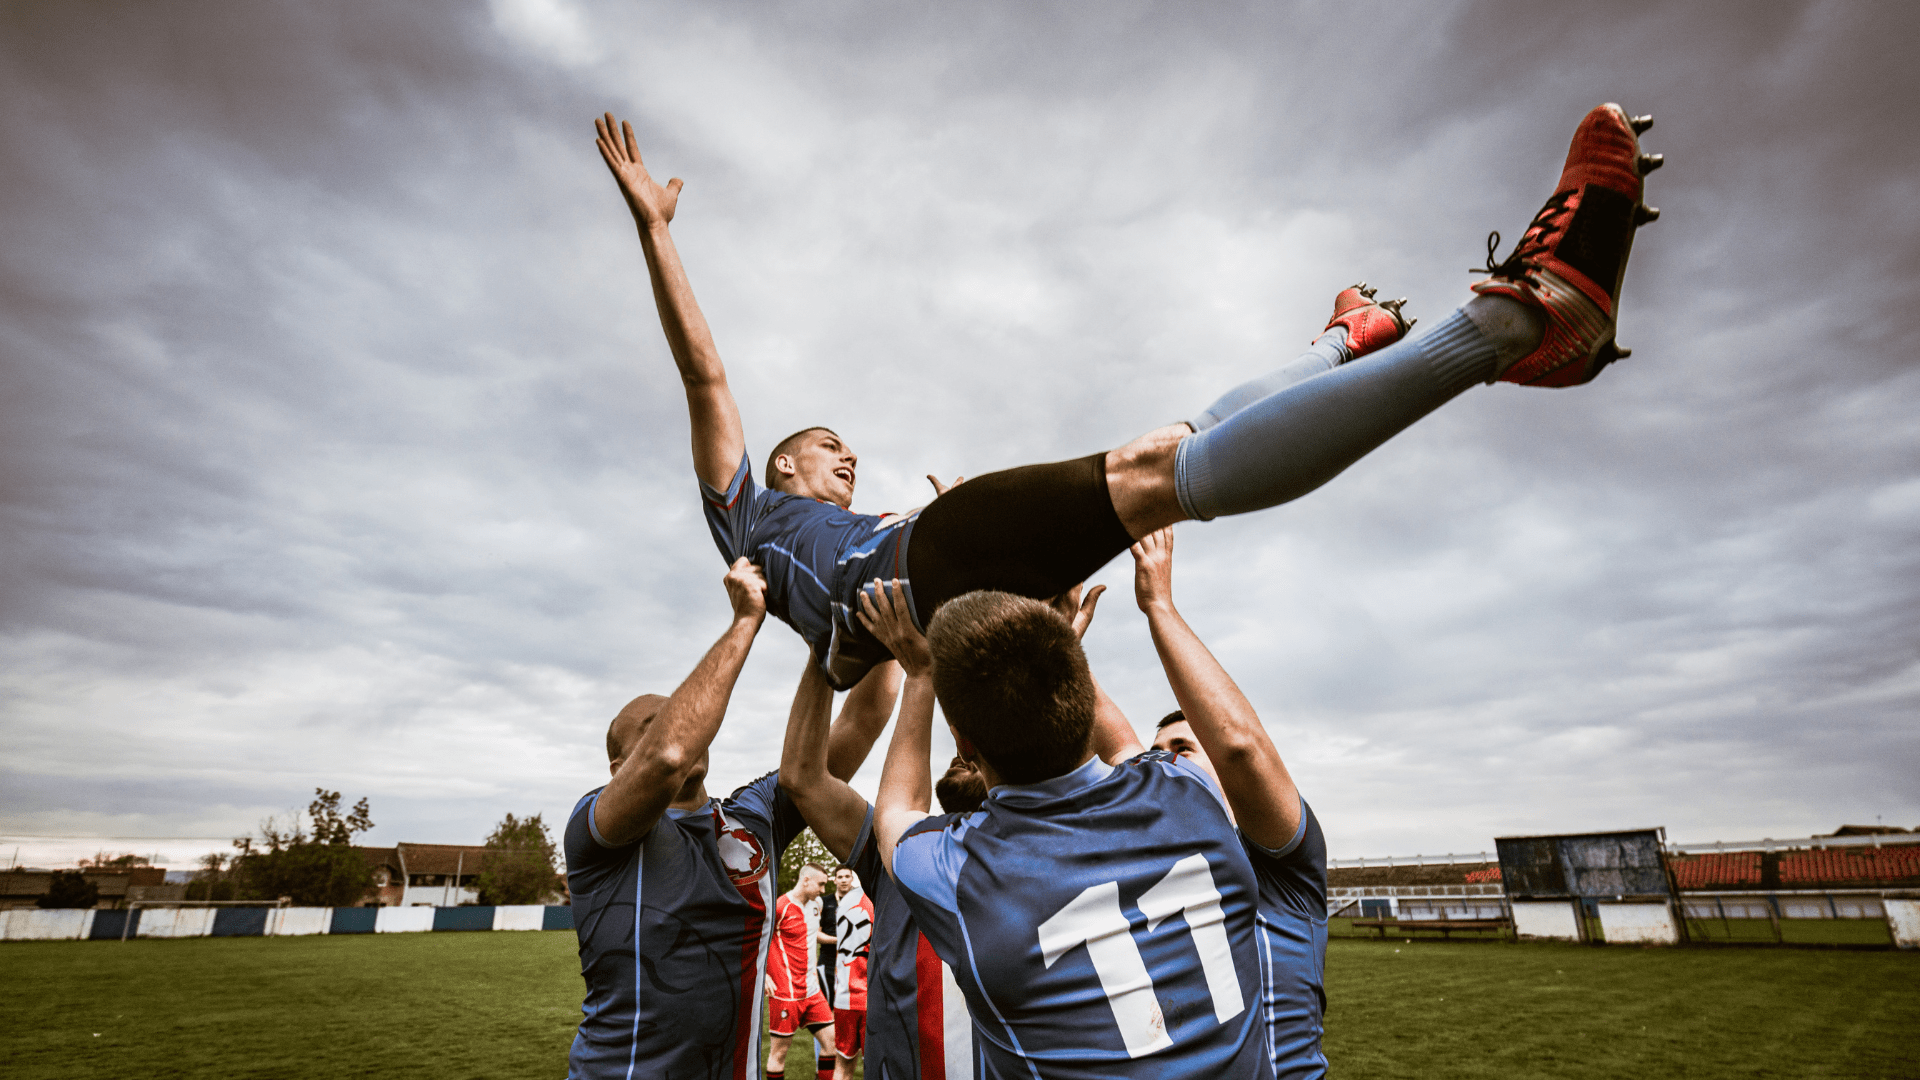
[(403, 920), (70, 924), (45, 924), (1549, 920), (520, 917), (174, 922), (1903, 918), (1638, 924), (299, 921)]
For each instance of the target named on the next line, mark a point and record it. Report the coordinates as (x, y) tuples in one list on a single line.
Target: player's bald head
[(632, 720)]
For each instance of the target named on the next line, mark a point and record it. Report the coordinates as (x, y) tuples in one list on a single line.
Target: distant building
[(434, 875), (117, 885)]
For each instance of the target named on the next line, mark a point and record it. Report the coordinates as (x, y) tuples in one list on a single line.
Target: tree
[(212, 883), (70, 889), (521, 863), (806, 848), (103, 861), (323, 869)]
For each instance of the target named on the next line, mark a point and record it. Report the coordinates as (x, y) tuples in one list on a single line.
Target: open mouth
[(845, 474)]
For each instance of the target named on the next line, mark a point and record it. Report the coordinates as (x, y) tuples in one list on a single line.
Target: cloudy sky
[(339, 444)]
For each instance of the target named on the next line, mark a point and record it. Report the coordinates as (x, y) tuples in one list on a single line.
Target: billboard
[(1584, 865)]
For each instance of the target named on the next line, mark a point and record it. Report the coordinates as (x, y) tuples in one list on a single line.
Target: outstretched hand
[(1076, 609), (746, 590), (884, 610), (1153, 569), (651, 204)]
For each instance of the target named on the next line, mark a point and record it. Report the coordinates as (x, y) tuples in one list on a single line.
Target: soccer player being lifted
[(673, 891), (1545, 316), (1152, 918)]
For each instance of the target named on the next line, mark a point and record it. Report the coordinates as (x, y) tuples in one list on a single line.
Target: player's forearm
[(907, 776), (834, 810), (1226, 719), (863, 716), (1252, 774), (688, 722), (688, 336), (718, 439), (1114, 739), (906, 780)]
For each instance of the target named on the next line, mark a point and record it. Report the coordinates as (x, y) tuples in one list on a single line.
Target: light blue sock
[(1291, 441), (1327, 352)]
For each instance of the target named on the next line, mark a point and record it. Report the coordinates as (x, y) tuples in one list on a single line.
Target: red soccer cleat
[(1370, 325), (1571, 260)]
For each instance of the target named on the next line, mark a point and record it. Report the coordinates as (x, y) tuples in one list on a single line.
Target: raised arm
[(718, 441), (863, 716), (906, 781), (1254, 779), (1113, 738), (832, 809), (673, 745)]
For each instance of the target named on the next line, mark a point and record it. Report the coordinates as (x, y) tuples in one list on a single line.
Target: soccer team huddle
[(1082, 905)]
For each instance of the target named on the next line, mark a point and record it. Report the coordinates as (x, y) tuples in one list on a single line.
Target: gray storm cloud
[(339, 445)]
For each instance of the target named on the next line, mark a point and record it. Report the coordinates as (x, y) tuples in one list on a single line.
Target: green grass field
[(504, 1005)]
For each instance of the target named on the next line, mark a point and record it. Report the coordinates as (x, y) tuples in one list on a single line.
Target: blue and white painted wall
[(68, 924)]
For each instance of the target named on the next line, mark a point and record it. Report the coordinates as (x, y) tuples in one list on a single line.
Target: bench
[(1445, 926)]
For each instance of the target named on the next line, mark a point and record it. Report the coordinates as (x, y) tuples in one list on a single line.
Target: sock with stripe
[(1297, 438), (824, 1070)]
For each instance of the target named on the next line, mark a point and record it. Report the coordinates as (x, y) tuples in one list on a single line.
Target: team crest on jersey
[(741, 853)]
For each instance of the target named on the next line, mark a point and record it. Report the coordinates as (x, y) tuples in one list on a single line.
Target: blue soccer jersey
[(816, 556), (1102, 924), (673, 932), (918, 1025), (1293, 948)]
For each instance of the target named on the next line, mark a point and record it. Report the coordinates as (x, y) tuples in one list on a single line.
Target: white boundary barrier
[(46, 924), (403, 920), (299, 921), (1638, 924), (1903, 918), (519, 917), (158, 922), (1545, 920)]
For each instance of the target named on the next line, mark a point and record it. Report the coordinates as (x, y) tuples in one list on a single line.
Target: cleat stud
[(1650, 162), (1620, 353), (1644, 214), (1641, 123), (1366, 290)]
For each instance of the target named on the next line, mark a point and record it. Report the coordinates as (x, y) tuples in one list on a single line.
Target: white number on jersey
[(1094, 919)]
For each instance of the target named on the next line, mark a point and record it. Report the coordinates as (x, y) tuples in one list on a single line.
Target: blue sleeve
[(765, 799), (1298, 871), (927, 862), (1181, 766), (590, 860), (732, 514)]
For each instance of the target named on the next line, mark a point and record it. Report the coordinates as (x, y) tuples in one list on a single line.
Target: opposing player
[(794, 999), (1546, 316), (672, 889), (1102, 920), (853, 938)]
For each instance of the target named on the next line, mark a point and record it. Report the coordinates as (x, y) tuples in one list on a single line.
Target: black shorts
[(1036, 531)]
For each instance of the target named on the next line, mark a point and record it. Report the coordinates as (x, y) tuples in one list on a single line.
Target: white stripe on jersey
[(957, 1026)]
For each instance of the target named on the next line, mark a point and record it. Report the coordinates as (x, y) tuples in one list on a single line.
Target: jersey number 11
[(1094, 919)]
